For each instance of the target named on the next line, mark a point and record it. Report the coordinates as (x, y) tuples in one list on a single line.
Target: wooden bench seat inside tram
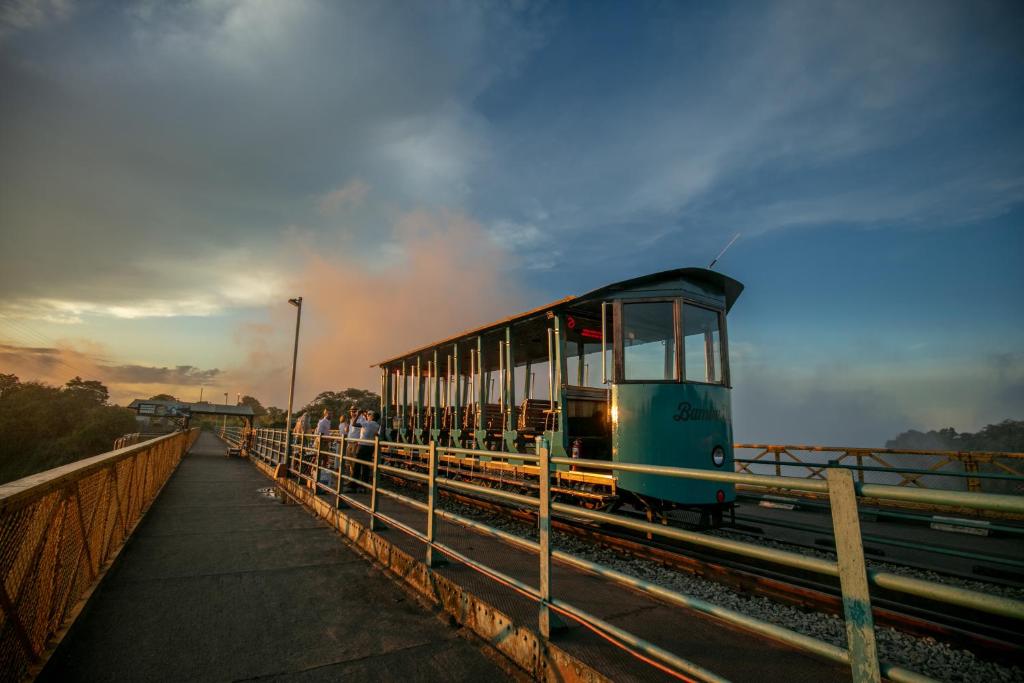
[(535, 416)]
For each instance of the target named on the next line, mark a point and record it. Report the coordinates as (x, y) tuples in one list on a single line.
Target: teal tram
[(634, 372)]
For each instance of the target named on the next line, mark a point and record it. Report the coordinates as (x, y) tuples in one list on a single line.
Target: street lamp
[(297, 303), (224, 424)]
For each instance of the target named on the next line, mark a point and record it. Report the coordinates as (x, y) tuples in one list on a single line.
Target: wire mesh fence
[(59, 532)]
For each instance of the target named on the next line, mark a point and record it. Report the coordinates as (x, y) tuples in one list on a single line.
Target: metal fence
[(975, 471), (310, 456), (127, 440), (59, 532)]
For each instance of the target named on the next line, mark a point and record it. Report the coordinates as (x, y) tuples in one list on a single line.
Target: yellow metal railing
[(911, 466), (972, 471), (60, 530)]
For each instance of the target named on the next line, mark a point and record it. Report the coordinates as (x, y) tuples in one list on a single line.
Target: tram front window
[(649, 341), (702, 345)]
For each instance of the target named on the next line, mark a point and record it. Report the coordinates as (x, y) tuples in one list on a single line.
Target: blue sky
[(174, 171)]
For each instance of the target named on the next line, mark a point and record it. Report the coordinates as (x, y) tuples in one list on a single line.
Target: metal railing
[(312, 457), (127, 440), (979, 471), (59, 532)]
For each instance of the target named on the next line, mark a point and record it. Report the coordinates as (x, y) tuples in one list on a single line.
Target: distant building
[(155, 416)]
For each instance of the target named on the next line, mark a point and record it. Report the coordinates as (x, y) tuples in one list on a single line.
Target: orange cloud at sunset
[(56, 364), (441, 275)]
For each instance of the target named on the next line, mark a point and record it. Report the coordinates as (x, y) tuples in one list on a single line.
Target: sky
[(173, 172)]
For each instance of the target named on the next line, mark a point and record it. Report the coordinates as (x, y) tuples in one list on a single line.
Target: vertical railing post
[(315, 469), (337, 480), (373, 485), (853, 580), (545, 620), (341, 460), (432, 559), (971, 467)]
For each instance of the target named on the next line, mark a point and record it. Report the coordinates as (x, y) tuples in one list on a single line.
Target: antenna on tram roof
[(734, 238)]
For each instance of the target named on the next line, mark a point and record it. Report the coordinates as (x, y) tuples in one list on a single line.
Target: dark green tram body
[(635, 372)]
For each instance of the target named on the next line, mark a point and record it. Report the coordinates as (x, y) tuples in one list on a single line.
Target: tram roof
[(730, 287)]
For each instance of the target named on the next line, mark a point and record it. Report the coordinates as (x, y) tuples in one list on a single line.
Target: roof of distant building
[(161, 408)]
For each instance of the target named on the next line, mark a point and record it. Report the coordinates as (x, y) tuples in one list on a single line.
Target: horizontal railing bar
[(997, 502), (703, 475), (860, 450), (871, 468), (638, 643), (785, 557), (992, 604), (17, 493), (483, 490), (779, 633)]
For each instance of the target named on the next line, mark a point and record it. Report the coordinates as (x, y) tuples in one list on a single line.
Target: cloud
[(352, 192), (57, 364), (26, 15), (181, 375), (230, 117), (446, 276), (860, 402)]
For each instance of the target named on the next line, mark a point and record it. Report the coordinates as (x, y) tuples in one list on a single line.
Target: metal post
[(297, 302), (510, 366), (418, 432), (315, 469), (456, 433), (604, 344), (853, 580), (545, 620), (971, 467), (432, 559), (436, 421), (374, 525)]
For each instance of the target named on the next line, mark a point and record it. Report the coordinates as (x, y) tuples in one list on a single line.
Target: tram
[(634, 372)]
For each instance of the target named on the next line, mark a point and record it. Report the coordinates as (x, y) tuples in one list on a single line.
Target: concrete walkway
[(221, 582)]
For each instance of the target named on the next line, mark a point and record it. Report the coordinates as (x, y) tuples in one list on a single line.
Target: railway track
[(991, 637)]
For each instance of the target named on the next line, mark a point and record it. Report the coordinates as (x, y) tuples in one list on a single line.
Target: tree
[(7, 382), (275, 417), (90, 389), (45, 427), (339, 402), (257, 408), (162, 397)]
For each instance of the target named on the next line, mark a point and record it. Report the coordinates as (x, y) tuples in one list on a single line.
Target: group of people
[(358, 424)]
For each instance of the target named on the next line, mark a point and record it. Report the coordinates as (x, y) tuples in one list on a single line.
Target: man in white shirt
[(369, 428), (323, 427)]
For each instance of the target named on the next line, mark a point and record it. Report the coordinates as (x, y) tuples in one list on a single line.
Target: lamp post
[(297, 303), (224, 422)]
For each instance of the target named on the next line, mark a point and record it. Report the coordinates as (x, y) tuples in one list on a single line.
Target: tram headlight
[(718, 456)]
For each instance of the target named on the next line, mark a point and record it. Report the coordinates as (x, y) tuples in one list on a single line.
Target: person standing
[(369, 428), (355, 428), (323, 428)]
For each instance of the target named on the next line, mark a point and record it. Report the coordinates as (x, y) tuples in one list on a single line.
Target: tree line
[(1006, 436), (43, 426)]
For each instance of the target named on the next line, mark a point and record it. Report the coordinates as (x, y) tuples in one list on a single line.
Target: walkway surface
[(222, 582)]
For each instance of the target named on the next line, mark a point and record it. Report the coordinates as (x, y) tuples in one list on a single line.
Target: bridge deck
[(221, 582)]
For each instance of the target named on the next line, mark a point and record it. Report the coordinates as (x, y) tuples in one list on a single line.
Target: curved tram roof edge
[(731, 287)]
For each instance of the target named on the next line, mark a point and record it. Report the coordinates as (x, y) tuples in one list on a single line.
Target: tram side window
[(649, 341), (702, 345), (588, 372)]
